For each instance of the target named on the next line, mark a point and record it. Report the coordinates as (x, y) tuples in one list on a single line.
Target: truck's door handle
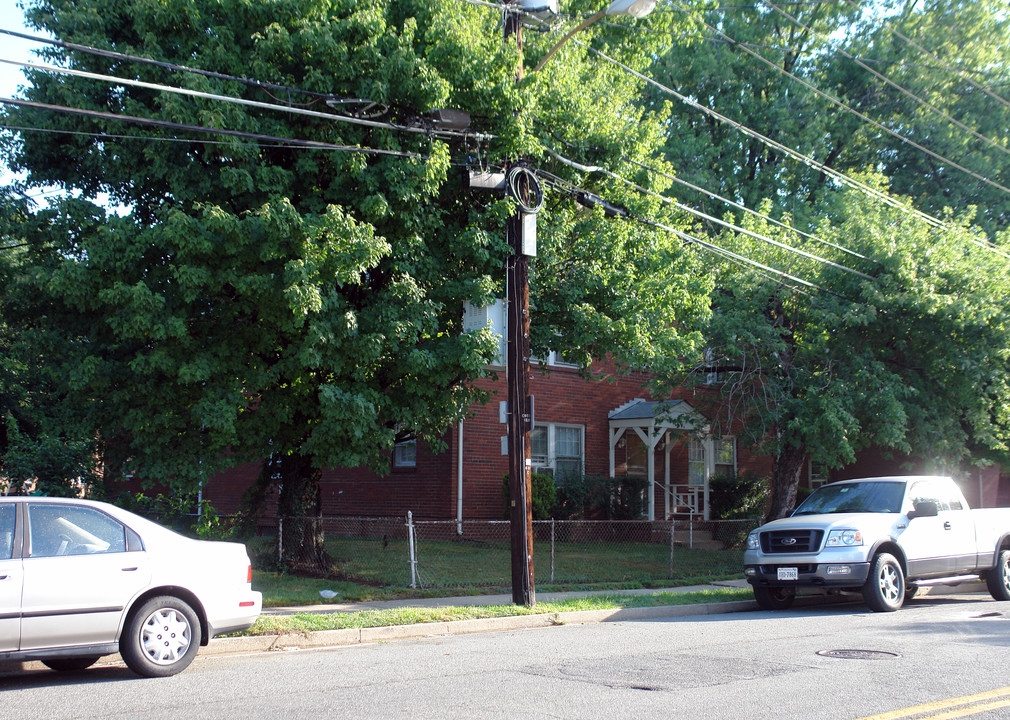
[(946, 525), (131, 569)]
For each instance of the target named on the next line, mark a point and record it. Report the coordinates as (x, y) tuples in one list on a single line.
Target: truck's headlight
[(844, 538), (753, 541)]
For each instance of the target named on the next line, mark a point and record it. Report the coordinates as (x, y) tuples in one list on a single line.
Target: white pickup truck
[(884, 537)]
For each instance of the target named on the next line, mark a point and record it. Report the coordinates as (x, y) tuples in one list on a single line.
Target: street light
[(636, 8)]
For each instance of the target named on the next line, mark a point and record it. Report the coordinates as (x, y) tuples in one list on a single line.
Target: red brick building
[(608, 426)]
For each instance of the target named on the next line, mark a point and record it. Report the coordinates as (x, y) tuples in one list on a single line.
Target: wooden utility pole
[(521, 234)]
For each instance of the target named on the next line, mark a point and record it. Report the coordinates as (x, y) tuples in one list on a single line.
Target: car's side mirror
[(926, 508)]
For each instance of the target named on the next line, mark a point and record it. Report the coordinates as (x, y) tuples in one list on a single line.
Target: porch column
[(666, 473)]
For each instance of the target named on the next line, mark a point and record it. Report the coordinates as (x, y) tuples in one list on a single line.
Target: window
[(725, 456), (6, 532), (557, 450), (696, 462), (493, 318), (817, 474), (72, 530), (723, 459), (405, 454)]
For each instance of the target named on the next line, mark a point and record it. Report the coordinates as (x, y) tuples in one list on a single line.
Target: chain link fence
[(404, 552)]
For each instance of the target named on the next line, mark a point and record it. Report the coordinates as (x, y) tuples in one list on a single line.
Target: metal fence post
[(552, 549), (673, 526), (411, 550), (280, 540)]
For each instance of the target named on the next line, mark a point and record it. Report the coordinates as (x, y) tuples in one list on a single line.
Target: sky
[(12, 18), (11, 48)]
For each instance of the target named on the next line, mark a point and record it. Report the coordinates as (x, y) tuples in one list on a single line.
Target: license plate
[(787, 573)]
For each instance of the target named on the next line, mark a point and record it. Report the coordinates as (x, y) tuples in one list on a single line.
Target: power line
[(739, 258), (163, 64), (796, 155), (835, 101), (924, 51), (905, 91), (199, 128), (248, 103), (710, 218), (750, 211)]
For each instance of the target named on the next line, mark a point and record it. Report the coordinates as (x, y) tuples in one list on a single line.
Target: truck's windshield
[(873, 497)]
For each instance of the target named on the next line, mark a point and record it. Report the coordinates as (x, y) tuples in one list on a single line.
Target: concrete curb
[(356, 636), (391, 633)]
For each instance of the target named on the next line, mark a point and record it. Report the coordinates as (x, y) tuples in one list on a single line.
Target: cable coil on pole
[(523, 186)]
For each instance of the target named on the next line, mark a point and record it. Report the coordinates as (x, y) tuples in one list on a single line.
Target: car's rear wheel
[(70, 664), (774, 598), (161, 637), (998, 579), (884, 590)]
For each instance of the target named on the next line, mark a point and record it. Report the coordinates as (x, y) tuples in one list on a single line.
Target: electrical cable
[(924, 51), (199, 128), (925, 103), (835, 101), (710, 218), (729, 254), (746, 209), (167, 65), (796, 155), (248, 103)]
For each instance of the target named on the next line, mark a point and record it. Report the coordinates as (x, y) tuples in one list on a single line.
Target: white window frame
[(405, 454), (817, 474), (702, 453), (549, 463), (495, 318)]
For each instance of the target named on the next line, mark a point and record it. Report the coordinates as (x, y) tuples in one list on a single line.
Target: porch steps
[(696, 540)]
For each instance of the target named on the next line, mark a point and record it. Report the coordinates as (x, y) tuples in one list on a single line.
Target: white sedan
[(81, 579)]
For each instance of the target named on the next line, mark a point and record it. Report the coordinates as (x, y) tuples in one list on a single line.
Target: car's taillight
[(248, 575)]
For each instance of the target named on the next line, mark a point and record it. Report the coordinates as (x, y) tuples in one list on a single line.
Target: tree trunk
[(789, 465), (299, 503)]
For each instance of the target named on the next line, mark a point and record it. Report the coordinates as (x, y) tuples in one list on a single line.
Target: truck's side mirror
[(926, 508)]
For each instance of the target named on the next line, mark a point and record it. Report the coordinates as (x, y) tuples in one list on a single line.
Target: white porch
[(654, 423)]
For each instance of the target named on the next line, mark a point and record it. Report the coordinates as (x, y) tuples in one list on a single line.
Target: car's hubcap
[(165, 636), (889, 583), (1006, 574)]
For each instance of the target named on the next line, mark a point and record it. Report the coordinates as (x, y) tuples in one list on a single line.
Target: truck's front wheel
[(998, 579), (884, 590), (776, 598)]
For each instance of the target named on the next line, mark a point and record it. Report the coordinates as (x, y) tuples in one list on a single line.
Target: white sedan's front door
[(78, 577)]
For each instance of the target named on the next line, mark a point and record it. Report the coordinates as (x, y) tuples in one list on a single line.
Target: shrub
[(733, 497), (544, 495)]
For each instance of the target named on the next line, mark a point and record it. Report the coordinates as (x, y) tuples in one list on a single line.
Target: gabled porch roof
[(652, 421)]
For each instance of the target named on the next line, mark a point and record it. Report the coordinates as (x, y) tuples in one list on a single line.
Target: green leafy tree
[(915, 357), (258, 299), (919, 73)]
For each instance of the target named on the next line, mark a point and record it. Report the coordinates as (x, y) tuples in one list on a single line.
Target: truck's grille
[(791, 541)]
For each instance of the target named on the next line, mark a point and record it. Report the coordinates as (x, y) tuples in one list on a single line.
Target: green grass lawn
[(365, 569)]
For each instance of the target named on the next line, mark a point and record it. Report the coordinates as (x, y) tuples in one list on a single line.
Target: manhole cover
[(858, 654)]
